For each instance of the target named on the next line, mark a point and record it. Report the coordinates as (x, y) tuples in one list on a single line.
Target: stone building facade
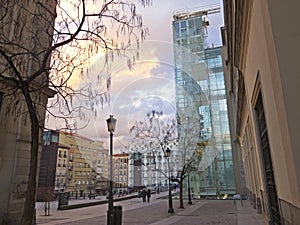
[(23, 38), (261, 47)]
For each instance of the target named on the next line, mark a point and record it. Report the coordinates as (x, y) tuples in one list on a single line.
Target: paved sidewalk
[(201, 212), (217, 212), (247, 215)]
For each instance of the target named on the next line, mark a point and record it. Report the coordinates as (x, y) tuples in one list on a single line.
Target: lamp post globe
[(111, 123), (168, 152)]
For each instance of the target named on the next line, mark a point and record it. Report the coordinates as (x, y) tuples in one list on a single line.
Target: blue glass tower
[(204, 136)]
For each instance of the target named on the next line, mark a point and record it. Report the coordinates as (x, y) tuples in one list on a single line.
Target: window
[(54, 138), (71, 156), (46, 134), (191, 26), (198, 25), (176, 29)]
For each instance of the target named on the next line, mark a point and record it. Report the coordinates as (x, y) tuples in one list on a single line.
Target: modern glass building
[(204, 136)]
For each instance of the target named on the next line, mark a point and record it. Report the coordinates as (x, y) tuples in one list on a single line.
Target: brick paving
[(201, 212)]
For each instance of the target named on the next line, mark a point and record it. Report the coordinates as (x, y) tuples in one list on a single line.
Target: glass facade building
[(204, 136)]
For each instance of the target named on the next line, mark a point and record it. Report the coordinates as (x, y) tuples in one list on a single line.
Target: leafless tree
[(190, 152), (44, 45), (159, 130)]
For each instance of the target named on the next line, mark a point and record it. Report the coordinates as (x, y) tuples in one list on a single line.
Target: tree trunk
[(29, 207), (180, 195)]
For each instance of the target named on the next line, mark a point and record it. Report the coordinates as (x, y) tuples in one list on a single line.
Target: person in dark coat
[(144, 194), (148, 195)]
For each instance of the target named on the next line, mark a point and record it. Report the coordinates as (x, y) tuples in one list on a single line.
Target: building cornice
[(243, 10)]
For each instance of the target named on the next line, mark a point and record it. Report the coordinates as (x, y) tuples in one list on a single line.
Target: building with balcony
[(78, 165), (120, 173), (77, 169), (102, 171)]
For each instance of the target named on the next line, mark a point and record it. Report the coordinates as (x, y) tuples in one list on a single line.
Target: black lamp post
[(111, 124), (189, 188), (170, 210), (159, 177)]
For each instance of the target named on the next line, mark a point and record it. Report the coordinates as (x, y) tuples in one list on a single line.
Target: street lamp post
[(170, 210), (159, 175), (189, 188), (111, 124)]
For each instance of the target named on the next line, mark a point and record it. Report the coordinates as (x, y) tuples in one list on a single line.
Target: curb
[(93, 203)]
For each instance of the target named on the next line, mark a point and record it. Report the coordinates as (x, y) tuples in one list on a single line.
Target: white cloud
[(151, 83)]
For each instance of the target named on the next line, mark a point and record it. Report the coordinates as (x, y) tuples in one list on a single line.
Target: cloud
[(150, 84)]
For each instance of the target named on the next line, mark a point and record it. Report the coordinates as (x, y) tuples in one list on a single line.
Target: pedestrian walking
[(148, 195), (144, 194)]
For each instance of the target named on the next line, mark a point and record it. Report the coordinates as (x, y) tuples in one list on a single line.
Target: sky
[(150, 85)]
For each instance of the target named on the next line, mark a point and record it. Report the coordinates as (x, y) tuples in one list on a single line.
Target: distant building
[(102, 171), (79, 165), (149, 167), (46, 183), (81, 177), (120, 172)]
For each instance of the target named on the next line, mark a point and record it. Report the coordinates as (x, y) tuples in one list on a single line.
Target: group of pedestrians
[(146, 193)]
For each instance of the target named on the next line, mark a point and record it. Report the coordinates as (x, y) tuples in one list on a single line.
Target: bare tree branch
[(45, 44)]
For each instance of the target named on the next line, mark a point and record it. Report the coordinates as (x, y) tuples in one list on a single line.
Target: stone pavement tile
[(215, 212), (204, 212), (201, 212), (247, 215)]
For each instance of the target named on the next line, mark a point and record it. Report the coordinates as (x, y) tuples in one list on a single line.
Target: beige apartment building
[(77, 168), (261, 62), (72, 163)]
